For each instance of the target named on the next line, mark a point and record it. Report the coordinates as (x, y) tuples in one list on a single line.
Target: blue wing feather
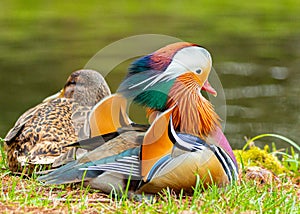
[(71, 172)]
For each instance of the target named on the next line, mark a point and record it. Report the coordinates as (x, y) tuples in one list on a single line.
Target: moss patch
[(260, 157)]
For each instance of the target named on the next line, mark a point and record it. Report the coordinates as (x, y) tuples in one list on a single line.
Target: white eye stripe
[(192, 58)]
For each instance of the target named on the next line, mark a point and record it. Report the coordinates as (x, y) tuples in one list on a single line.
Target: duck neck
[(193, 114)]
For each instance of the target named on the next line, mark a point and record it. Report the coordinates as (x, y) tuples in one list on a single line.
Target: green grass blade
[(292, 143)]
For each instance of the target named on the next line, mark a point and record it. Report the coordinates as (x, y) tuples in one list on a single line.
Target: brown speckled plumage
[(41, 132)]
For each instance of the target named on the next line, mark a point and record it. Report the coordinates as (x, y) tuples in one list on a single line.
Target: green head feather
[(137, 87)]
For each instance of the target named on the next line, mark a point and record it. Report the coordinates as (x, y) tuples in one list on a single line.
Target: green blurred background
[(255, 48)]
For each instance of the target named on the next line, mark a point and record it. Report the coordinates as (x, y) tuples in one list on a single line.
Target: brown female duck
[(41, 134)]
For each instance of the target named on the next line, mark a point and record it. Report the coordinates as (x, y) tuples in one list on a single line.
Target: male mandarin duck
[(40, 134), (184, 139)]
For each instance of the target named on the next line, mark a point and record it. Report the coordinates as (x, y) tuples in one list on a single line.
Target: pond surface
[(255, 49)]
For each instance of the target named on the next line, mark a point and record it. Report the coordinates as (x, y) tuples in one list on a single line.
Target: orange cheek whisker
[(193, 114)]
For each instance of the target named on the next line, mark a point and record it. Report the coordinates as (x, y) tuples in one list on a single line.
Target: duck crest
[(193, 114), (163, 57), (159, 60)]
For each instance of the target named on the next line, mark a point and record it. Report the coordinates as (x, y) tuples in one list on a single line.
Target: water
[(256, 53)]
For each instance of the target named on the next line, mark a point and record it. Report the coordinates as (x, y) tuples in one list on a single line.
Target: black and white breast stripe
[(194, 145), (227, 163)]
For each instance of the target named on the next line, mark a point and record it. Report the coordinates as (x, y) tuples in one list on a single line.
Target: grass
[(25, 194)]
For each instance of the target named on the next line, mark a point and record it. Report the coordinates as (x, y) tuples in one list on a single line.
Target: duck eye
[(198, 71), (71, 82)]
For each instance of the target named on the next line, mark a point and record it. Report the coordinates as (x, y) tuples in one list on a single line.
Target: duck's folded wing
[(94, 142), (155, 148), (127, 163), (23, 119), (104, 153), (72, 173), (114, 146), (26, 116)]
